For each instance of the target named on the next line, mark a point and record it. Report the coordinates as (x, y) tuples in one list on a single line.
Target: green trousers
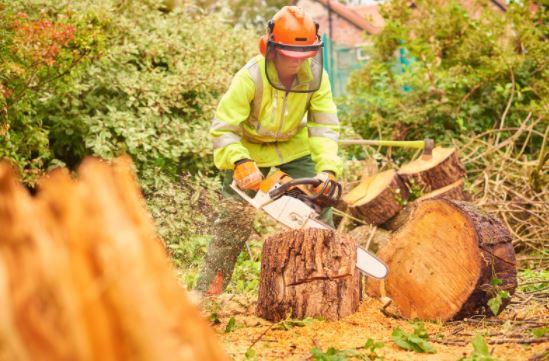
[(234, 226)]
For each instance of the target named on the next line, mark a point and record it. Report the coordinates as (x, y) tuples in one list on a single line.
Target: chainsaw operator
[(278, 112)]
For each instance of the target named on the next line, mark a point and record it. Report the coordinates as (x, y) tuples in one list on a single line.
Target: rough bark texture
[(444, 169), (83, 275), (232, 229), (308, 273), (384, 205), (441, 262)]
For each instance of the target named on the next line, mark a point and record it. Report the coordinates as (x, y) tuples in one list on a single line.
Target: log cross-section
[(308, 273), (443, 259)]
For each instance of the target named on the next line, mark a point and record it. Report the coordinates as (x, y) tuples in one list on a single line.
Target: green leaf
[(496, 282), (231, 325), (494, 304), (480, 346), (250, 354), (540, 332), (414, 342)]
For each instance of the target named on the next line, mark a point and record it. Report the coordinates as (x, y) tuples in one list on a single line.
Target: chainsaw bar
[(296, 214)]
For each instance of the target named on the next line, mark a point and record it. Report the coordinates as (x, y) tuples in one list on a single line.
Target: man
[(278, 112)]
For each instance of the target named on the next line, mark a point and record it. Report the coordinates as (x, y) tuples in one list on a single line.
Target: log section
[(442, 169), (83, 275), (442, 261), (377, 198), (308, 273)]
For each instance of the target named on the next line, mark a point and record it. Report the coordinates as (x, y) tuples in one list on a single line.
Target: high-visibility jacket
[(256, 121)]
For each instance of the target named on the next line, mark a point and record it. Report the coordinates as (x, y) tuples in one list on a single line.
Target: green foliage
[(332, 354), (245, 277), (231, 325), (105, 78), (533, 280), (480, 351), (540, 331), (416, 341), (464, 74), (495, 302), (40, 49), (371, 347), (289, 323), (250, 354)]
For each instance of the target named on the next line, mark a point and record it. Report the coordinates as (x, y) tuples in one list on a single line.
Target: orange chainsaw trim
[(279, 177)]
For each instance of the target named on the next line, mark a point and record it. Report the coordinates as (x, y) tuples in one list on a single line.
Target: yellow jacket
[(256, 121)]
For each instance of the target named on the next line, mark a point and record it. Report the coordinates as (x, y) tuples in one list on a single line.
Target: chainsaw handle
[(334, 190), (275, 193)]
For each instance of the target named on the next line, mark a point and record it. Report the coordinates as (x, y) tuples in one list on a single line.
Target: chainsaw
[(290, 202)]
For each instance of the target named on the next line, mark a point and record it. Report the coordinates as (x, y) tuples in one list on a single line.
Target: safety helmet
[(293, 33)]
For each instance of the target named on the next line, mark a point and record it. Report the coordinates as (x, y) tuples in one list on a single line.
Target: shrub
[(465, 75)]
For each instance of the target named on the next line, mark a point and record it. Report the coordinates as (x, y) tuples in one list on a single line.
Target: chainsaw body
[(290, 202)]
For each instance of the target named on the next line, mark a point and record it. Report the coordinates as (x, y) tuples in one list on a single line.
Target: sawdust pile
[(84, 277)]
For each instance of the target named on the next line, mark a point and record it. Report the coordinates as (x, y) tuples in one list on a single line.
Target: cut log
[(377, 198), (453, 191), (308, 273), (83, 275), (442, 169), (443, 259)]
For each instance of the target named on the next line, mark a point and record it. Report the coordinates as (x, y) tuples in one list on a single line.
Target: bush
[(465, 74), (110, 77)]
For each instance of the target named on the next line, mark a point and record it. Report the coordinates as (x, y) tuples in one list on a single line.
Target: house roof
[(348, 14)]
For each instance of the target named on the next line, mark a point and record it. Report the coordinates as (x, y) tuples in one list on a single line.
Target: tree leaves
[(417, 341)]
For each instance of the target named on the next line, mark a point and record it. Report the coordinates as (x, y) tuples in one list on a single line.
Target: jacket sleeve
[(232, 110), (323, 128)]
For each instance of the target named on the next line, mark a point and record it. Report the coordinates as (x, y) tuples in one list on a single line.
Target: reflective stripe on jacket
[(254, 120)]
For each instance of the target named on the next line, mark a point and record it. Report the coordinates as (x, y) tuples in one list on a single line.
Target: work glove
[(247, 175)]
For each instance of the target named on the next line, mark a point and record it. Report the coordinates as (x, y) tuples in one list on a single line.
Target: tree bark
[(308, 273), (83, 275), (442, 169), (443, 259), (377, 198)]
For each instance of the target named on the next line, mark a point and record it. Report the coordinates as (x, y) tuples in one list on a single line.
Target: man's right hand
[(247, 175)]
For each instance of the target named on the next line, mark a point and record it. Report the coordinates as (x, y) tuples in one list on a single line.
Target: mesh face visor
[(303, 64)]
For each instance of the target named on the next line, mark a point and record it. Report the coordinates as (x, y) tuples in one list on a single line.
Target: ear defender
[(263, 40)]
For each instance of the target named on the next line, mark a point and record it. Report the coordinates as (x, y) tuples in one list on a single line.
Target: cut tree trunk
[(426, 175), (377, 198), (83, 275), (453, 191), (308, 273), (443, 259)]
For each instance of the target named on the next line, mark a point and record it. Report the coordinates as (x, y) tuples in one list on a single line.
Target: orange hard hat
[(291, 26)]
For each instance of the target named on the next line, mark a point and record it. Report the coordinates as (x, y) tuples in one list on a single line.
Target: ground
[(352, 332)]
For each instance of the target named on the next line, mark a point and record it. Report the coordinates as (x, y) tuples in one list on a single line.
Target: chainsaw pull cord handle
[(332, 189)]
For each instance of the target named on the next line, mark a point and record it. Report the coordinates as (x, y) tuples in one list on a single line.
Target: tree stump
[(83, 275), (442, 261), (308, 273), (442, 169), (377, 198)]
